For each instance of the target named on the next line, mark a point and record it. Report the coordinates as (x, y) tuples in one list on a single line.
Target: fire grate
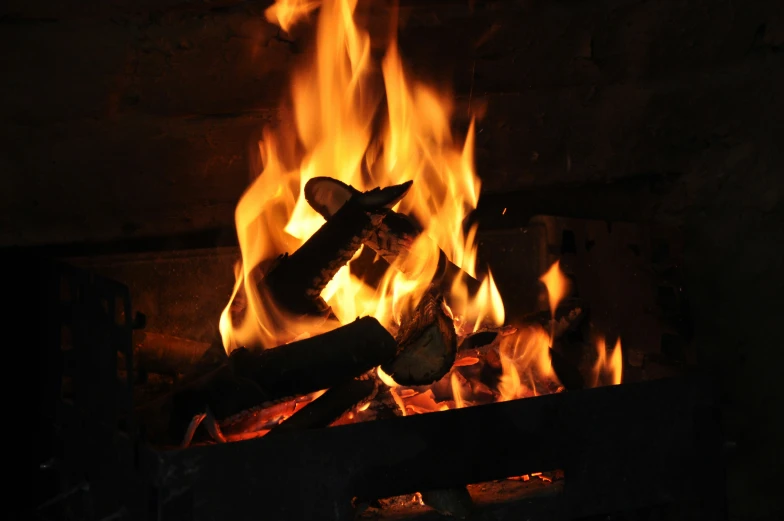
[(625, 450)]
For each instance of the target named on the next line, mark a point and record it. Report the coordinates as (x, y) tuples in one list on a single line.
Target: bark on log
[(166, 420), (428, 345), (454, 502), (392, 239), (331, 405), (319, 362), (296, 280)]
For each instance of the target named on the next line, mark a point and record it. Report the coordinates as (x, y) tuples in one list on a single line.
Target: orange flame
[(525, 359), (608, 369), (286, 13), (334, 130), (456, 393), (557, 285)]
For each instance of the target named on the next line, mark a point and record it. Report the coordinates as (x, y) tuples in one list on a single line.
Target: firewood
[(265, 416), (571, 316), (391, 239), (385, 405), (454, 502), (485, 337), (166, 419), (428, 344), (331, 405), (566, 370), (317, 363), (295, 281)]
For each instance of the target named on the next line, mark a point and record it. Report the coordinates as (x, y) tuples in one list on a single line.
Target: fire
[(286, 13), (367, 125), (525, 362), (557, 285), (608, 369), (456, 392)]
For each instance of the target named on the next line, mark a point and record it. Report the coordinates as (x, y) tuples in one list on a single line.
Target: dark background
[(126, 119)]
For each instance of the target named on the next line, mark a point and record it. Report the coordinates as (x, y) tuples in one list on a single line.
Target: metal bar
[(621, 448)]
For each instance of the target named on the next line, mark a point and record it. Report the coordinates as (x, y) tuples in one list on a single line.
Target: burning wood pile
[(358, 296)]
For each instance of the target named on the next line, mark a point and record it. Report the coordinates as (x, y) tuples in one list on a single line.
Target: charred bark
[(454, 502), (391, 239), (331, 405), (166, 420), (296, 280), (428, 345), (319, 362)]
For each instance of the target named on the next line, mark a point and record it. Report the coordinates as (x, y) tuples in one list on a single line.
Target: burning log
[(317, 363), (295, 281), (391, 239), (167, 418), (455, 502), (331, 405), (428, 344)]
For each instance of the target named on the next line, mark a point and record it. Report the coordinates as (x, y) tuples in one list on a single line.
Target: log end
[(428, 345)]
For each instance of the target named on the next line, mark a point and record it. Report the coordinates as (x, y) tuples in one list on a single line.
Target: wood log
[(428, 344), (295, 281), (319, 362), (392, 239), (331, 405), (454, 502), (594, 436), (264, 417), (166, 419)]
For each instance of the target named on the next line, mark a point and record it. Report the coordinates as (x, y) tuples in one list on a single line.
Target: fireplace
[(545, 366), (648, 447)]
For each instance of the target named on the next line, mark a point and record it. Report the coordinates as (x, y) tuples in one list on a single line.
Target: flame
[(456, 393), (286, 13), (367, 125), (525, 360), (608, 369), (557, 285)]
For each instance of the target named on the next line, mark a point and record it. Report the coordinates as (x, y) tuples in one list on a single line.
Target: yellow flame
[(456, 393), (332, 128), (286, 13), (608, 369), (384, 377), (525, 358), (557, 285)]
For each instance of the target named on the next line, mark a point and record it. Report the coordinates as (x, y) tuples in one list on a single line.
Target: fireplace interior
[(628, 214)]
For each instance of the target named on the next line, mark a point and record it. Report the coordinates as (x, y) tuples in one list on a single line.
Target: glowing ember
[(333, 130)]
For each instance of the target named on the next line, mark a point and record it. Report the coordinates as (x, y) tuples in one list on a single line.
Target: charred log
[(454, 502), (264, 417), (331, 405), (391, 239), (319, 362), (296, 281), (567, 371), (571, 316), (428, 344), (385, 405), (166, 419)]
